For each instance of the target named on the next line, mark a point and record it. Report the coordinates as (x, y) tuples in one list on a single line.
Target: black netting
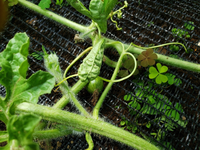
[(144, 22)]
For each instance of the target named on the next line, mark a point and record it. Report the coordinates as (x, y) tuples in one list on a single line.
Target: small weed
[(37, 55), (147, 58), (167, 114), (189, 25)]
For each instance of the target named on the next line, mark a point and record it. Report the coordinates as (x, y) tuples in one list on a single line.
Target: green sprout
[(59, 2), (180, 33), (37, 55), (158, 74), (174, 48), (189, 25)]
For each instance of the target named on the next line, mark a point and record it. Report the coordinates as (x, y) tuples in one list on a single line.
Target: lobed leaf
[(14, 66), (21, 128), (153, 73)]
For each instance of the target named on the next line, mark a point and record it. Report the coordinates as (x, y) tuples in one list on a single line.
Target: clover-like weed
[(158, 74), (128, 66), (147, 58), (180, 33)]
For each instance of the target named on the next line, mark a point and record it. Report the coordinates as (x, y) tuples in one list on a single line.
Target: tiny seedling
[(174, 48), (189, 25), (150, 23), (180, 33), (158, 74), (37, 55)]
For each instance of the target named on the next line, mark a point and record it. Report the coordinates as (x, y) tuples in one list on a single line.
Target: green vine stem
[(105, 92), (161, 58), (51, 133), (54, 16), (76, 59), (119, 80), (87, 124), (157, 46), (89, 141), (52, 65)]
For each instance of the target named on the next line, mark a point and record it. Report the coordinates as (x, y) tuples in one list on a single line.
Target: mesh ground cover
[(144, 23)]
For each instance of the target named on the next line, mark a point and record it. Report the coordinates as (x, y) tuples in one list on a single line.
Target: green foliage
[(59, 2), (100, 11), (20, 129), (158, 74), (174, 48), (150, 23), (80, 7), (173, 80), (180, 33), (37, 55), (90, 68), (44, 4), (167, 113), (128, 66), (147, 58), (128, 125), (189, 25), (14, 66)]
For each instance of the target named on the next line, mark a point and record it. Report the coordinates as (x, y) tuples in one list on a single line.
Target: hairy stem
[(50, 134), (87, 124), (163, 59)]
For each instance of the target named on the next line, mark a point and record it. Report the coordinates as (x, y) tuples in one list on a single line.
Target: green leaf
[(189, 25), (21, 128), (44, 4), (134, 129), (174, 48), (14, 66), (3, 117), (153, 73), (148, 125), (161, 78), (90, 68), (128, 97), (161, 68), (100, 9), (170, 78), (122, 123), (123, 73), (177, 82), (135, 105), (12, 2), (80, 7), (158, 74)]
